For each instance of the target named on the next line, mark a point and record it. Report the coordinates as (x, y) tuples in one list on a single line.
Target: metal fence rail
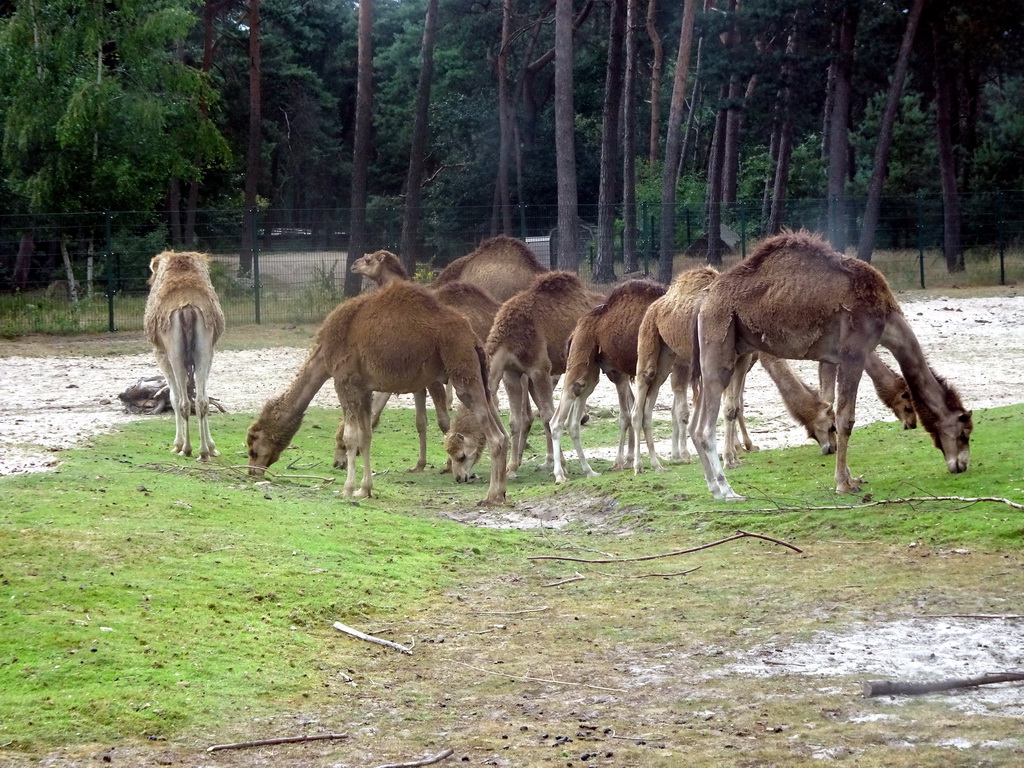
[(299, 257)]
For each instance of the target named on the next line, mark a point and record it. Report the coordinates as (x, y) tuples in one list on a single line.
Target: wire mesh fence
[(74, 273)]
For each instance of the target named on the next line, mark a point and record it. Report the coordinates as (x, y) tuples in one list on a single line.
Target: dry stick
[(513, 613), (425, 761), (740, 535), (904, 500), (538, 679), (282, 740), (371, 639), (666, 575), (278, 476), (577, 577), (888, 688), (1006, 616)]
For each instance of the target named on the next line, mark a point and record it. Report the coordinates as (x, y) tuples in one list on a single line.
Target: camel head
[(263, 449), (903, 407), (953, 437), (821, 428), (463, 452), (379, 266)]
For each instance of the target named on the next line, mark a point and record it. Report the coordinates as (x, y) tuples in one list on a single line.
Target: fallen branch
[(666, 575), (888, 688), (282, 740), (577, 577), (425, 761), (279, 476), (739, 535), (1000, 616), (879, 502), (538, 679), (514, 613), (370, 638)]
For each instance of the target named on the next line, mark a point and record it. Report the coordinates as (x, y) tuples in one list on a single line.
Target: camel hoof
[(592, 473), (417, 468)]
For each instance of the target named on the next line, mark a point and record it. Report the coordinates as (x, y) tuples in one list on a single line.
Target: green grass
[(147, 596)]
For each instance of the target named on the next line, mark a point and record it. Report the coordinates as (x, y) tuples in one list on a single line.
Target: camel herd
[(497, 316)]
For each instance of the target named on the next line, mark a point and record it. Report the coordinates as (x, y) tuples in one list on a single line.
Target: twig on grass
[(370, 638), (1006, 616), (879, 502), (272, 742), (514, 613), (739, 535), (279, 476), (889, 688), (425, 761), (538, 679), (666, 575), (577, 577)]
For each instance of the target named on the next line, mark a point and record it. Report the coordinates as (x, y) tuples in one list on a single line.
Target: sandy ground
[(48, 404)]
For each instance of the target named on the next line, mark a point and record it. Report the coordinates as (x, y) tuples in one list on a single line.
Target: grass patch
[(150, 599)]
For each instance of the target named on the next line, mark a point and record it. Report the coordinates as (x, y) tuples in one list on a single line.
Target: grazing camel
[(527, 348), (359, 347), (384, 268), (605, 339), (503, 266), (796, 298), (890, 387), (183, 321)]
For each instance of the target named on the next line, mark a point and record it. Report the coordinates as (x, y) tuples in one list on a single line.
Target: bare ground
[(721, 667)]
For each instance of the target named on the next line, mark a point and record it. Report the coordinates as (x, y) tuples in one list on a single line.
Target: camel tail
[(188, 316), (484, 370)]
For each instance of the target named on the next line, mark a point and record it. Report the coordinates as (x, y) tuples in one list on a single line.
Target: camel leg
[(380, 399), (440, 397), (544, 396), (626, 433), (420, 399), (734, 410), (649, 379), (850, 371), (203, 356), (827, 373), (173, 368), (717, 364), (570, 409), (486, 411), (680, 412), (518, 404), (357, 435)]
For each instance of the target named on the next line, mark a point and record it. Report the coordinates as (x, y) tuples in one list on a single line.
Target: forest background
[(442, 122)]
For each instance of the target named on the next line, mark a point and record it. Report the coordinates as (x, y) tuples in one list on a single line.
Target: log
[(425, 761), (890, 688), (370, 638)]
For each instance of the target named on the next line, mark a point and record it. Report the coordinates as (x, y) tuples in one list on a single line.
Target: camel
[(357, 346), (503, 266), (183, 321), (384, 268), (890, 387), (527, 349), (796, 298), (605, 339)]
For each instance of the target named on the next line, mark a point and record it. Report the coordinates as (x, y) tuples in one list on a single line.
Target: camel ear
[(966, 416), (460, 437)]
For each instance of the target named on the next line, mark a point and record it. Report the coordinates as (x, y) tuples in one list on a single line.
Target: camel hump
[(693, 280), (558, 283), (639, 292), (501, 251), (461, 293)]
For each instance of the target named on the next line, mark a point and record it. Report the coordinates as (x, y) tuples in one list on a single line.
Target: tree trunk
[(565, 143), (23, 261), (675, 120), (604, 271), (689, 139), (410, 248), (657, 64), (252, 155), (784, 146), (210, 10), (502, 196), (361, 145), (839, 128), (942, 78), (630, 263), (873, 205), (714, 201)]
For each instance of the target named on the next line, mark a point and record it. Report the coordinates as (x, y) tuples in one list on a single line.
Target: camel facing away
[(183, 321), (527, 348), (605, 339), (397, 339), (503, 266), (796, 298)]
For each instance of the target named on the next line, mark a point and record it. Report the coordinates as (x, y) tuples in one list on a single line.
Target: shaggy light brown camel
[(358, 346), (478, 306), (527, 348), (605, 339), (183, 321), (796, 298), (503, 266)]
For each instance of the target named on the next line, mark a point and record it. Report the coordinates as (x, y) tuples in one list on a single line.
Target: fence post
[(999, 236), (109, 256), (256, 287), (920, 242)]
